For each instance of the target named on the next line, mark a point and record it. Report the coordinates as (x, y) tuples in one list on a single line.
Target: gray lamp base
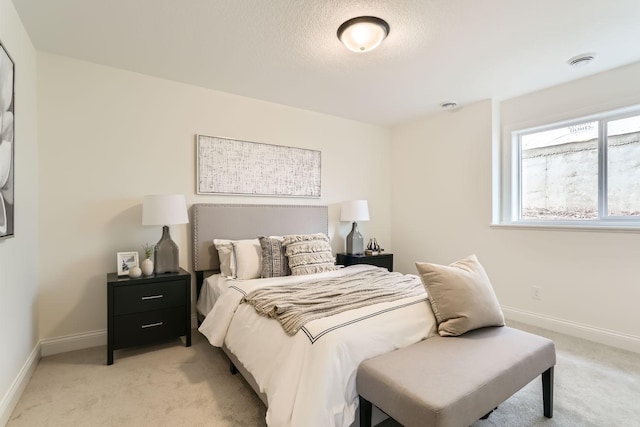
[(355, 243), (167, 254)]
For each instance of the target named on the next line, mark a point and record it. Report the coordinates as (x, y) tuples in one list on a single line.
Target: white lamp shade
[(354, 210), (164, 209)]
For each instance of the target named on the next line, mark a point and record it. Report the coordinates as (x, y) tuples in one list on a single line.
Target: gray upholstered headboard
[(227, 221)]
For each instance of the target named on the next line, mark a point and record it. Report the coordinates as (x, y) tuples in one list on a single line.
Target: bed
[(307, 379)]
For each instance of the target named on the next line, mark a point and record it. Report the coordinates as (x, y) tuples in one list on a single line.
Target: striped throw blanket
[(297, 304)]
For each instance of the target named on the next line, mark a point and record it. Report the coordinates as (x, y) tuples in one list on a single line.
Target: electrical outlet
[(536, 292)]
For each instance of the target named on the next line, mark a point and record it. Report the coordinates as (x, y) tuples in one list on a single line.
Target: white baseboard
[(73, 342), (580, 330), (10, 399), (48, 347)]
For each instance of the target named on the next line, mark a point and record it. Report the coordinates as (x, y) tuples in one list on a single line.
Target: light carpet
[(158, 385), (171, 385)]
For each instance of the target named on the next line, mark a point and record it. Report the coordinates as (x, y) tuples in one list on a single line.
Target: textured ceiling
[(286, 51)]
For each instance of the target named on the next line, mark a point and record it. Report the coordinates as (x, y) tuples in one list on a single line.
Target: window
[(585, 172)]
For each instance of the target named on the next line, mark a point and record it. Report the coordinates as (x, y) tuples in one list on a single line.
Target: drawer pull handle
[(151, 325), (153, 297)]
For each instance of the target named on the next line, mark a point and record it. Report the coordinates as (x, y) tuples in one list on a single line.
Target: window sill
[(613, 228)]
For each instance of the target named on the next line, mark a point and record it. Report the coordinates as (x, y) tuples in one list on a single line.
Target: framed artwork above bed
[(230, 166)]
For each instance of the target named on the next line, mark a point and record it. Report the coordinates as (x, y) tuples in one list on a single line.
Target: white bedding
[(309, 379), (213, 286)]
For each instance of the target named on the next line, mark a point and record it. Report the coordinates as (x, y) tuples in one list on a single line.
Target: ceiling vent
[(581, 60), (449, 105)]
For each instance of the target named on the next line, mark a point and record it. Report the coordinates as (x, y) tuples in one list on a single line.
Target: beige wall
[(109, 136), (442, 205), (441, 187), (19, 255)]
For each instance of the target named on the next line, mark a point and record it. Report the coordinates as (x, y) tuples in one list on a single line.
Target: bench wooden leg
[(547, 392), (365, 412)]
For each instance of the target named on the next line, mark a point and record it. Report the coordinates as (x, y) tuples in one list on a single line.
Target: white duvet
[(309, 379)]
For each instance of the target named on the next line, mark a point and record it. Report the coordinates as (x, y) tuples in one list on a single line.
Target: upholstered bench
[(454, 381)]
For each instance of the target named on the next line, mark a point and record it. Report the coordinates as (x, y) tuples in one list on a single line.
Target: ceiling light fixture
[(581, 60), (363, 33)]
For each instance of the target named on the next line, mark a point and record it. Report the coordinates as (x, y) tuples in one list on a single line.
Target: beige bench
[(454, 381)]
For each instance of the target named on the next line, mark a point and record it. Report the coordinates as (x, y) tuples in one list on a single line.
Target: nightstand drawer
[(384, 260), (141, 328), (147, 297), (379, 261)]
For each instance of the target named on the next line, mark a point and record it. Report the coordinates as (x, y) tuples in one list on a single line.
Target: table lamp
[(354, 210), (165, 210)]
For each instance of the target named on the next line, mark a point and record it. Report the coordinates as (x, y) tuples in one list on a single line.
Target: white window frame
[(507, 184)]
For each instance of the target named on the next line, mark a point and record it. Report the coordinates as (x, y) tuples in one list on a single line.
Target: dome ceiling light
[(363, 33)]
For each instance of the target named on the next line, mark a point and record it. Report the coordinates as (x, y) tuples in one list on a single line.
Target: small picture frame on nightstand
[(126, 261)]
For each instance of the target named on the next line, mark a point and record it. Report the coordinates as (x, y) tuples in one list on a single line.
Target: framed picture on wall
[(232, 166), (126, 261), (7, 110)]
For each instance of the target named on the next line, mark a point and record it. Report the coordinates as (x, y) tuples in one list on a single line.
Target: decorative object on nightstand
[(147, 309), (165, 210), (354, 210), (147, 264), (384, 260), (125, 261), (373, 248), (135, 272)]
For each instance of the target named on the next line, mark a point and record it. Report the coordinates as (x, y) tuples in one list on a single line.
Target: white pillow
[(225, 254), (239, 258), (248, 259)]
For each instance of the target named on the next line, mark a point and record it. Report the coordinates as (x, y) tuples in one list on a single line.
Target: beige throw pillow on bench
[(461, 296)]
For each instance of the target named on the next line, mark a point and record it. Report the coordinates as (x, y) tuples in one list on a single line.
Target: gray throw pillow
[(274, 260)]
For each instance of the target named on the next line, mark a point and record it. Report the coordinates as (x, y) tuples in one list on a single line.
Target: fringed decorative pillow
[(309, 253)]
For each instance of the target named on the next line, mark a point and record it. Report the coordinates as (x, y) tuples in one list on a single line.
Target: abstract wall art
[(7, 115), (230, 166)]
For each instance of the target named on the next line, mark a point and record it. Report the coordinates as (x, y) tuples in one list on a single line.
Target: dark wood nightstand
[(147, 309), (382, 260)]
